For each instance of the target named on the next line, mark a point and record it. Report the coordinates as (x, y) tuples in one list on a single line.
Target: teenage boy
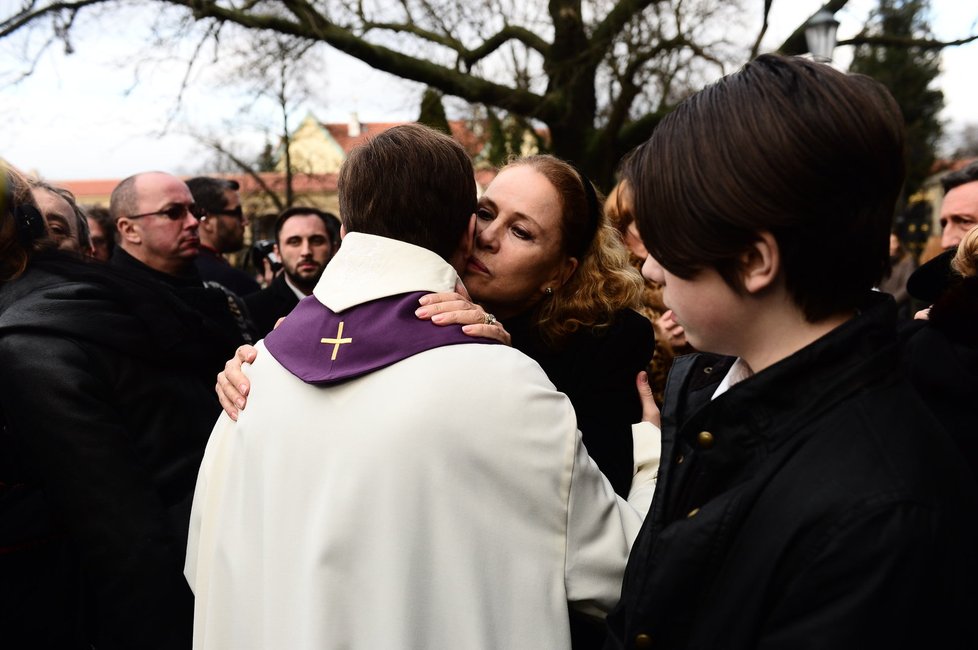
[(807, 498)]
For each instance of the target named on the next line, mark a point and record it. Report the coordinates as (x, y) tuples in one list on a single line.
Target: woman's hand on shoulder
[(232, 384), (451, 308)]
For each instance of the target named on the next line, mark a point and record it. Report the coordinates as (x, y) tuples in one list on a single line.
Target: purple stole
[(320, 346)]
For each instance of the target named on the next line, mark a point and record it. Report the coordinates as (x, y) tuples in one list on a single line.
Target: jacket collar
[(768, 407), (368, 267)]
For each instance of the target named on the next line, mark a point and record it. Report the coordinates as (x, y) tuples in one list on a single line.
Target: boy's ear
[(760, 263)]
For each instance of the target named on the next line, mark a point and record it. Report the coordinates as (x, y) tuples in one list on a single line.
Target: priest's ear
[(460, 258)]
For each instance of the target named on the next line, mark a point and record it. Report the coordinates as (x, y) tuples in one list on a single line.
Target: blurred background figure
[(102, 229), (895, 282), (221, 231), (67, 224), (959, 209), (670, 339), (942, 355), (305, 241)]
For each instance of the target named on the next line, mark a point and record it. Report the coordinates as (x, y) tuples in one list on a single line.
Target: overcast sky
[(94, 115)]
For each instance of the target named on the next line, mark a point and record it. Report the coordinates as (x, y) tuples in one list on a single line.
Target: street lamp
[(820, 35)]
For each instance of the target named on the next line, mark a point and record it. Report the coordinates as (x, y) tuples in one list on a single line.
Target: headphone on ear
[(30, 224)]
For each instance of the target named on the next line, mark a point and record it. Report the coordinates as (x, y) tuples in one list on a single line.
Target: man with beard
[(305, 240)]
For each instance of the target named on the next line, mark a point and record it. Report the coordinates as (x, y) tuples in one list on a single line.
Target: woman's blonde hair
[(965, 261), (604, 282)]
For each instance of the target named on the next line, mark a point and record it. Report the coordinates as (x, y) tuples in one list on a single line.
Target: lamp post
[(820, 31)]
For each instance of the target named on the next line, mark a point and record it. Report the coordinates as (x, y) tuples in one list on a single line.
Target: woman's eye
[(484, 214), (522, 233)]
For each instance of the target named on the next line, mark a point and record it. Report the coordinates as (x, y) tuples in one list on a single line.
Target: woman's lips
[(478, 266)]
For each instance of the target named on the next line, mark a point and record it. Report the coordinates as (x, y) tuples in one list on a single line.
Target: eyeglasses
[(237, 213), (175, 212)]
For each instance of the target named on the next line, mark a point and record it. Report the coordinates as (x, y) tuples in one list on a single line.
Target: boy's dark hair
[(967, 174), (330, 220), (409, 183), (208, 192), (796, 148)]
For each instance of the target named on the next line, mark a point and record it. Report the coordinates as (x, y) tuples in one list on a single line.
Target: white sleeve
[(202, 513), (601, 526)]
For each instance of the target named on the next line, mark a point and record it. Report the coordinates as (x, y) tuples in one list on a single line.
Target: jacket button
[(680, 459), (705, 439), (643, 641), (692, 513)]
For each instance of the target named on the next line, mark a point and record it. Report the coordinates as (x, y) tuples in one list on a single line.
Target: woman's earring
[(549, 291)]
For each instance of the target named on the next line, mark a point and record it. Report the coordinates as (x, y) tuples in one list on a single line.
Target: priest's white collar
[(368, 267)]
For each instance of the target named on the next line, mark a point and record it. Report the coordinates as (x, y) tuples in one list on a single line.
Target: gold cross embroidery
[(337, 342)]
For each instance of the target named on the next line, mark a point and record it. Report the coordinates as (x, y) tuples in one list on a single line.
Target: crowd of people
[(441, 419)]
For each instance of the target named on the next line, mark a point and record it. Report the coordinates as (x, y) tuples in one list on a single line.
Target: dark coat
[(270, 304), (817, 504), (105, 422), (222, 316), (942, 363), (214, 268)]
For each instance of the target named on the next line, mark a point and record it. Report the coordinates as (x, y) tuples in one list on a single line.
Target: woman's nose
[(486, 235)]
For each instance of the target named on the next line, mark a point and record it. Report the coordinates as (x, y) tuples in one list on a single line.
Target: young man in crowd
[(807, 497)]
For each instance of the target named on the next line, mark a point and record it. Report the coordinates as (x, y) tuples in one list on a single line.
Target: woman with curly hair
[(670, 339), (547, 263)]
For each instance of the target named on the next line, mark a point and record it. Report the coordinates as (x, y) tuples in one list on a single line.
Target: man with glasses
[(157, 222), (221, 231)]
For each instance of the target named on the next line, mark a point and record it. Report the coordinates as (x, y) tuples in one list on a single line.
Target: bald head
[(154, 217)]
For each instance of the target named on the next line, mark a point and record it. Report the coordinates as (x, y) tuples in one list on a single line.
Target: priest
[(393, 484)]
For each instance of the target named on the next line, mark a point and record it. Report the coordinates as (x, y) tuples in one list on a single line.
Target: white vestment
[(442, 502)]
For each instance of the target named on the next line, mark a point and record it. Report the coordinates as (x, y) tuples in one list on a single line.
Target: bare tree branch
[(29, 15), (246, 169), (755, 49), (896, 41), (503, 36), (315, 26)]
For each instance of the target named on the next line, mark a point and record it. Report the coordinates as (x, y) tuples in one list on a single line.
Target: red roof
[(93, 187), (85, 190)]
